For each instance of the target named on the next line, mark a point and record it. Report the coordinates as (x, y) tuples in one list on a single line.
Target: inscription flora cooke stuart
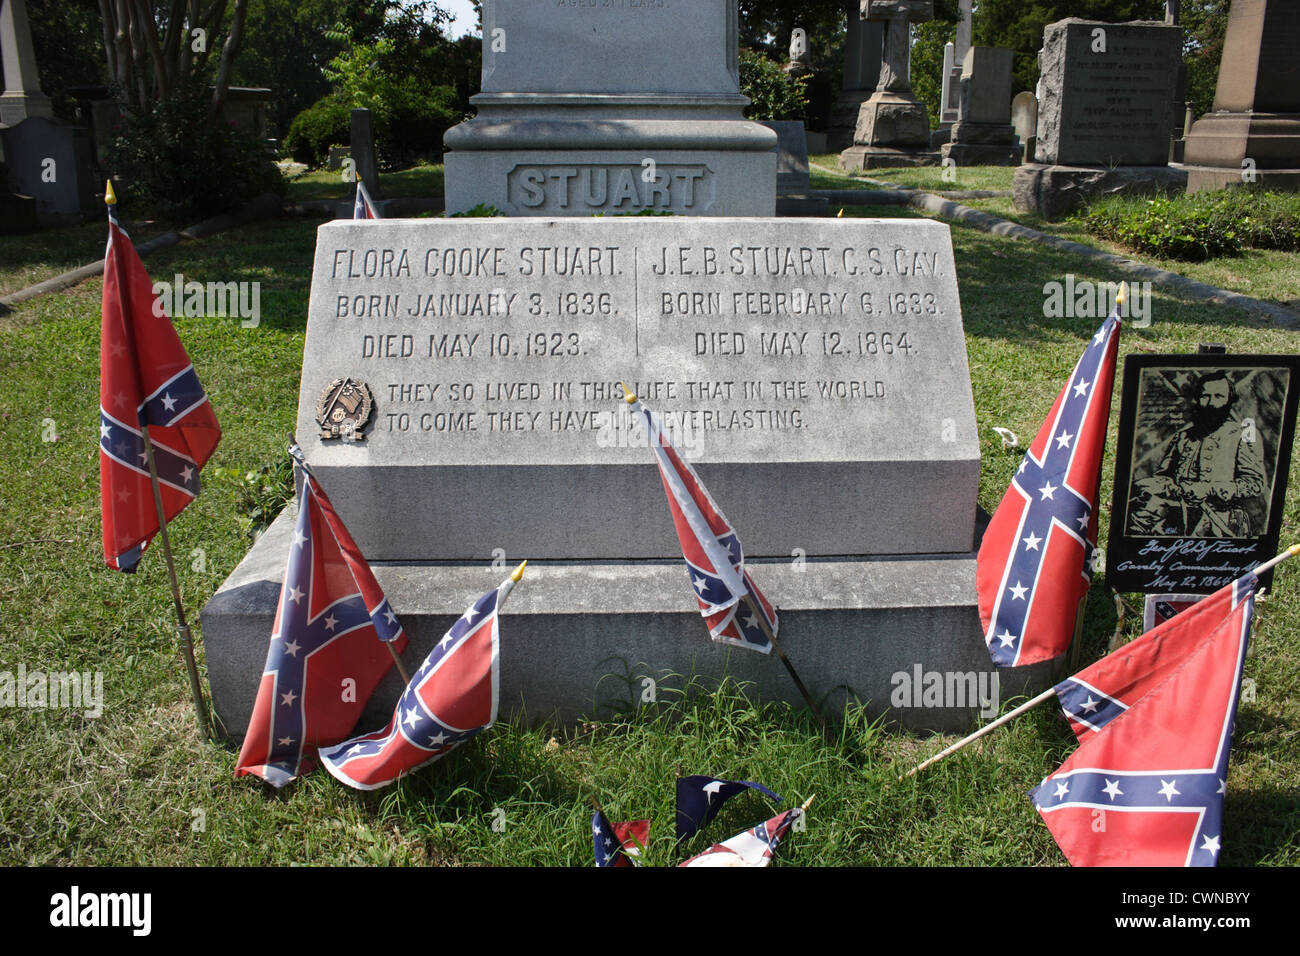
[(521, 336)]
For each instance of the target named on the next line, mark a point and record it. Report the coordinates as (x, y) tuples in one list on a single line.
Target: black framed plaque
[(1200, 470)]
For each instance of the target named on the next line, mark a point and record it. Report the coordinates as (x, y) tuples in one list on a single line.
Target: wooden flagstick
[(1290, 552), (630, 398), (794, 675), (398, 661), (182, 626)]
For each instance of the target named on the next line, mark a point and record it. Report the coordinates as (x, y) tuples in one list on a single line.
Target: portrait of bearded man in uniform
[(1211, 476)]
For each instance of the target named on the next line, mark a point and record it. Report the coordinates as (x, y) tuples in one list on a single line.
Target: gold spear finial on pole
[(628, 395), (110, 197), (518, 574)]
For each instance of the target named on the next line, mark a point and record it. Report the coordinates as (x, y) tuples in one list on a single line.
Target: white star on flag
[(1018, 591), (169, 403), (1032, 542), (1047, 491), (1211, 844), (1112, 788), (1081, 389), (1168, 790), (288, 699)]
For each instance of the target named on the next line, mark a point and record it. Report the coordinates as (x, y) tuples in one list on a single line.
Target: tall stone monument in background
[(954, 57), (893, 126), (862, 48), (1105, 100), (589, 108), (1253, 135)]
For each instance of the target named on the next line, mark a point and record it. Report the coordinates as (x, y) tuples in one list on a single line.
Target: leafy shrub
[(326, 123), (262, 494), (776, 95), (181, 162), (481, 211), (1201, 226)]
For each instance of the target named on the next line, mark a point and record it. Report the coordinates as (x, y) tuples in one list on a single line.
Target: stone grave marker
[(893, 127), (862, 48), (983, 135), (813, 370), (1253, 133), (793, 180), (1104, 114), (610, 108), (1024, 117)]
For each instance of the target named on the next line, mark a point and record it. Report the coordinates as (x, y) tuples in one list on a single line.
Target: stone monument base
[(579, 638), (883, 157), (1205, 178), (1055, 191), (983, 144), (802, 207)]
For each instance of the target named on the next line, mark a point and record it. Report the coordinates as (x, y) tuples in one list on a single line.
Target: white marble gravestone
[(813, 370)]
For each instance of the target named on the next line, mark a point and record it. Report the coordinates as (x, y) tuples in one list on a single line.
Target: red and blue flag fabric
[(618, 844), (1146, 785), (327, 652), (700, 797), (451, 698), (363, 206), (751, 847), (711, 548), (146, 380), (1035, 561)]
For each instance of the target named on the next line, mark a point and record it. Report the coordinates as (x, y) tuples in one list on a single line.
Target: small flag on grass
[(1035, 561), (699, 798), (1146, 785), (146, 382), (451, 698), (327, 650)]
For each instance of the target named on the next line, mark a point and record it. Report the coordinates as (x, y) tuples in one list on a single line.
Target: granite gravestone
[(793, 180), (610, 108), (983, 135), (1253, 134), (813, 370), (1104, 114), (893, 126), (862, 46)]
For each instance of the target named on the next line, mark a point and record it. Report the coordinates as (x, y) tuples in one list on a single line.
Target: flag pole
[(1290, 552), (182, 626), (776, 646), (630, 397)]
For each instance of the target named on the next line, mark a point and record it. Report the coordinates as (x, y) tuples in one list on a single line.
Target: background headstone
[(949, 95), (798, 52), (1104, 115), (1024, 118), (893, 126), (1106, 92), (609, 109), (815, 372), (863, 44), (793, 180), (1253, 135), (983, 135)]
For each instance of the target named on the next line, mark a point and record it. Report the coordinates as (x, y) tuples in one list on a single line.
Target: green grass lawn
[(929, 178), (135, 786), (420, 181)]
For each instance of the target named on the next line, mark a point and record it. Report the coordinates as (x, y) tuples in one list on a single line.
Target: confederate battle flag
[(146, 379), (1035, 562), (1146, 786), (327, 651)]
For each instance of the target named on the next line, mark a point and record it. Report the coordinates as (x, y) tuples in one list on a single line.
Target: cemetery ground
[(135, 785)]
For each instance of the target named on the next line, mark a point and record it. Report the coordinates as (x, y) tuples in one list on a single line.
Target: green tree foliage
[(776, 94), (412, 78), (1204, 24), (182, 164), (68, 42)]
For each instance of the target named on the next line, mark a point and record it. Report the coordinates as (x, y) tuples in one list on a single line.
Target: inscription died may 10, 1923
[(477, 339)]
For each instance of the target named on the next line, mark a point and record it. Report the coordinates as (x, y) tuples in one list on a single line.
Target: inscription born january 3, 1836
[(825, 353)]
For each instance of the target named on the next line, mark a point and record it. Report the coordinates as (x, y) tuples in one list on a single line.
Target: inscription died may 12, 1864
[(830, 352)]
